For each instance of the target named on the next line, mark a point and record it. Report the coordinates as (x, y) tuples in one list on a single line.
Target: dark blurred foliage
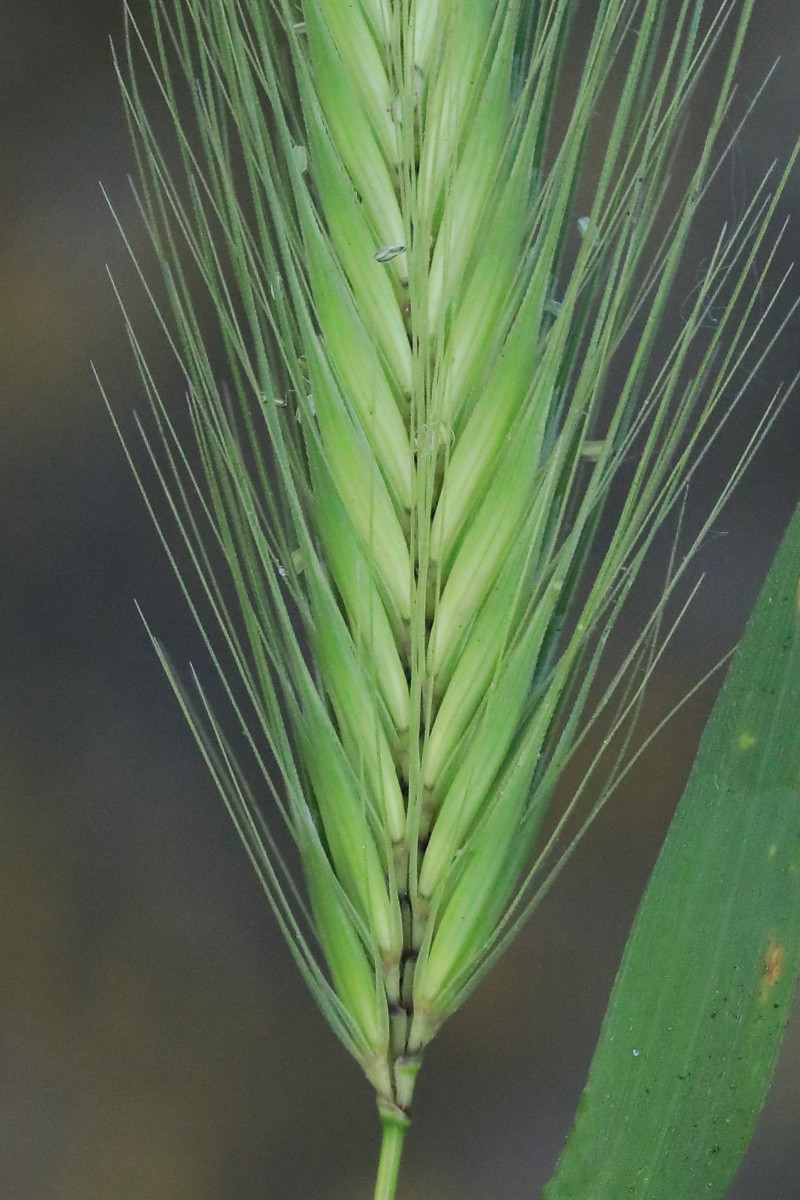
[(155, 1040)]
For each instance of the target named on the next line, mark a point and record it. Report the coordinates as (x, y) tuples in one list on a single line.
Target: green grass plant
[(439, 373)]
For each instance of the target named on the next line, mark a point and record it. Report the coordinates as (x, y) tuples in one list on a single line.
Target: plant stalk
[(394, 1132)]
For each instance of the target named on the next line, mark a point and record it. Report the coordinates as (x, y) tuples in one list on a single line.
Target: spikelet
[(406, 469)]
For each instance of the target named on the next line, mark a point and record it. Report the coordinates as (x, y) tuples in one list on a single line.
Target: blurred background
[(155, 1039)]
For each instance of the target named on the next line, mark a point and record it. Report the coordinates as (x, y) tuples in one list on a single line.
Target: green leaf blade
[(700, 1005)]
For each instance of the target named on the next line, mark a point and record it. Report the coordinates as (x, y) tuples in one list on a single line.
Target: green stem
[(394, 1132)]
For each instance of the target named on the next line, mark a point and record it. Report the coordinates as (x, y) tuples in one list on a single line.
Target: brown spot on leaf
[(773, 965)]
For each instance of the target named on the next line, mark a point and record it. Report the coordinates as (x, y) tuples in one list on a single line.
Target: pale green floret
[(427, 29), (360, 371), (360, 717), (361, 487), (484, 882), (451, 96), (485, 752), (352, 971), (349, 826), (356, 245), (375, 641), (513, 502), (480, 661), (353, 134), (477, 326), (379, 15), (474, 461), (485, 193), (361, 60)]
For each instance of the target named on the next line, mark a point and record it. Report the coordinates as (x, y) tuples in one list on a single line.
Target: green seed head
[(404, 475)]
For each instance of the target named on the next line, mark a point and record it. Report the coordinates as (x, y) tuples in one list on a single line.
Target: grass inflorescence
[(387, 507)]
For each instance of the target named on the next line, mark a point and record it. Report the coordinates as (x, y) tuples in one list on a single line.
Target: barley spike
[(418, 434)]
